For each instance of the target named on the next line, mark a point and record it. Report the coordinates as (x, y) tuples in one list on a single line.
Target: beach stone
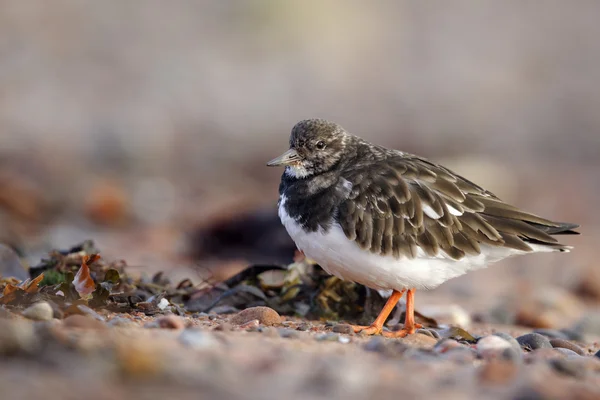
[(444, 345), (17, 336), (510, 339), (264, 315), (460, 355), (498, 372), (492, 346), (551, 333), (450, 314), (41, 311), (419, 340), (170, 322), (569, 366), (197, 339), (565, 344), (83, 322), (343, 328), (532, 341), (287, 333), (543, 355), (567, 352)]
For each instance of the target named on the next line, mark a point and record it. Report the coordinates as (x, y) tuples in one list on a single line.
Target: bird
[(395, 221)]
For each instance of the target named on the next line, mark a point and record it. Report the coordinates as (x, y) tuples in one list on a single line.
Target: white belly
[(346, 260)]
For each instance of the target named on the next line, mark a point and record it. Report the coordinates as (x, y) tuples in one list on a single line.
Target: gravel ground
[(257, 354)]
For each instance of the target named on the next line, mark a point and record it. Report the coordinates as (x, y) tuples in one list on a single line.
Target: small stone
[(543, 355), (551, 333), (597, 354), (288, 333), (444, 345), (492, 346), (451, 314), (327, 337), (41, 311), (532, 341), (122, 322), (566, 352), (513, 342), (420, 340), (304, 326), (163, 303), (252, 324), (498, 372), (197, 339), (170, 322), (17, 336), (224, 327), (264, 315), (460, 355), (83, 322), (569, 367), (565, 344), (344, 339), (343, 328)]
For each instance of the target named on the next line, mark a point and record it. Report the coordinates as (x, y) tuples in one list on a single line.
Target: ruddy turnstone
[(395, 221)]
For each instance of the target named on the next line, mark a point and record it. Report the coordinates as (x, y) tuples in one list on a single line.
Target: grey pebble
[(532, 341), (429, 333), (343, 328), (515, 356), (304, 326), (287, 333), (566, 352), (510, 339), (569, 367), (565, 344), (460, 355), (551, 333), (328, 337), (389, 348), (41, 311), (197, 339), (122, 322), (597, 354)]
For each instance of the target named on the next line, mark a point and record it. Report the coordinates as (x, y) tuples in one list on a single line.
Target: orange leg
[(409, 323), (376, 327)]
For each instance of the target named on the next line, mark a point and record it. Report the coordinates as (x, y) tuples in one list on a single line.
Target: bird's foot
[(402, 332), (367, 330)]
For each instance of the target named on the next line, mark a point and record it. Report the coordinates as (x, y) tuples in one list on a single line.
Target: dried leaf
[(83, 282)]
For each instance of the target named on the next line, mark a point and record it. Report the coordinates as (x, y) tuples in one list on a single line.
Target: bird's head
[(316, 146)]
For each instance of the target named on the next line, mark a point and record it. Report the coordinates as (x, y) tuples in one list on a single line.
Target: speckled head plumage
[(316, 146)]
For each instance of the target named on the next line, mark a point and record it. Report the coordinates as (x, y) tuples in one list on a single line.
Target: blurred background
[(146, 125)]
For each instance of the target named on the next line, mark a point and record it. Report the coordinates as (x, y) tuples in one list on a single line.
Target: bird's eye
[(320, 145)]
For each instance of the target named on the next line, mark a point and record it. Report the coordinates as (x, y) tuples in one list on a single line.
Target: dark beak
[(288, 158)]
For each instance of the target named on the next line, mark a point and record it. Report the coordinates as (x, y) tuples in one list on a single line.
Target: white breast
[(346, 260)]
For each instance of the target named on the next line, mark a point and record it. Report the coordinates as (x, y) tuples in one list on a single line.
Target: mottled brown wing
[(405, 202)]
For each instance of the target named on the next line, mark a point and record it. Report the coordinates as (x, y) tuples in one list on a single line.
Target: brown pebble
[(250, 324), (264, 315), (498, 372), (224, 326), (343, 328), (420, 340), (565, 344), (170, 322), (83, 322)]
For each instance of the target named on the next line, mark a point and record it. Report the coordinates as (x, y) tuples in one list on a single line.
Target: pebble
[(513, 342), (390, 348), (551, 333), (264, 315), (597, 354), (224, 327), (327, 337), (460, 355), (83, 322), (287, 333), (543, 354), (304, 326), (498, 372), (420, 340), (17, 337), (343, 328), (197, 339), (122, 322), (170, 322), (444, 345), (569, 367), (567, 352), (41, 311), (532, 341), (451, 314), (564, 344), (492, 346), (251, 325)]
